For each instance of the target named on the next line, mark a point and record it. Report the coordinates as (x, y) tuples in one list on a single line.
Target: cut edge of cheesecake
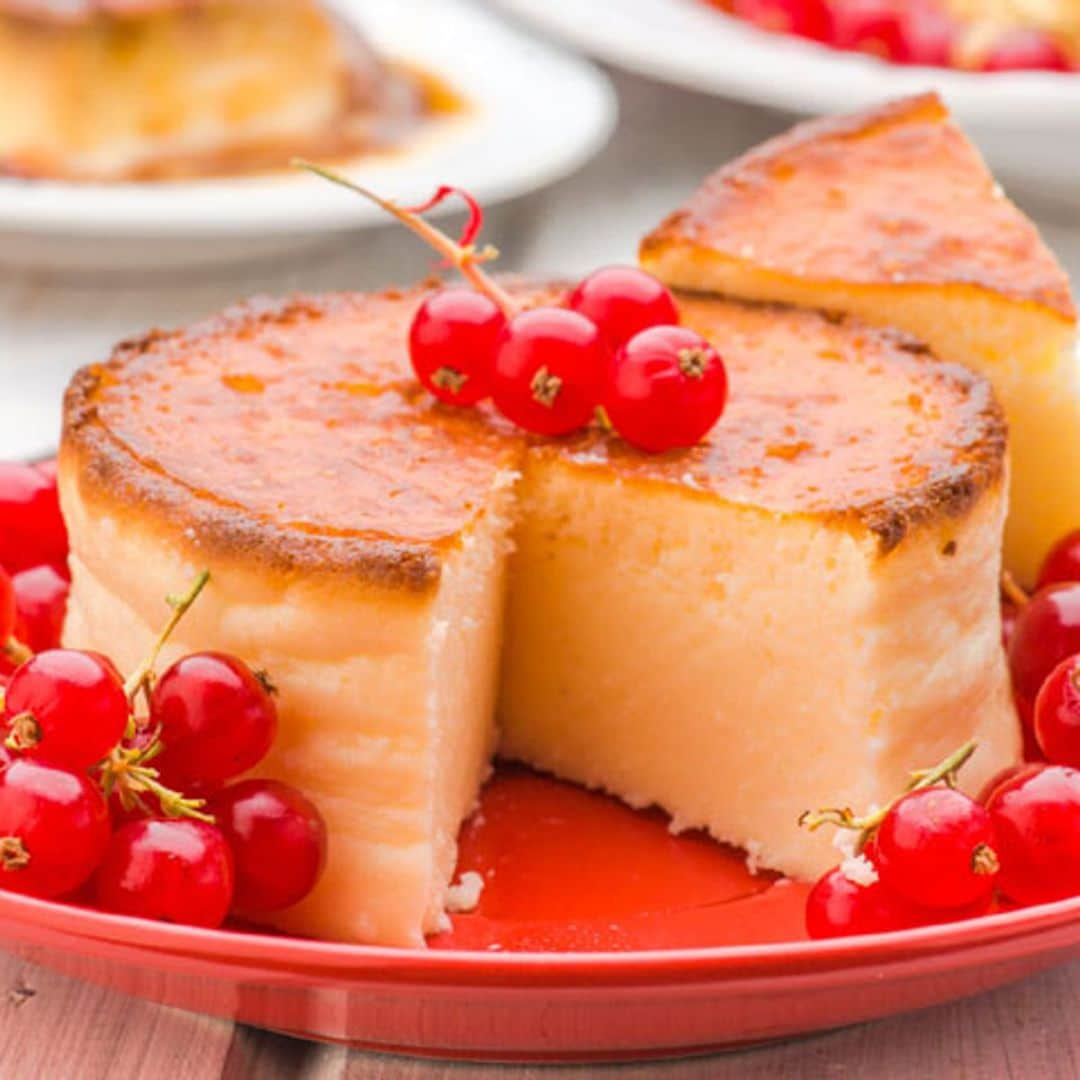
[(892, 216)]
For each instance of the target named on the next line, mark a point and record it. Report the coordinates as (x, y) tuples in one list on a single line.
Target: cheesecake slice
[(143, 89), (793, 614), (891, 215)]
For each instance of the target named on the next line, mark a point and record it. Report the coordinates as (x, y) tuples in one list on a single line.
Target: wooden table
[(54, 1028)]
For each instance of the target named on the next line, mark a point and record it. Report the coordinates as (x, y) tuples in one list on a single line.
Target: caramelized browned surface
[(889, 196), (295, 433)]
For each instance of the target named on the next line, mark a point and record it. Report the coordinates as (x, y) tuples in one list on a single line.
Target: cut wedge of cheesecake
[(162, 88), (891, 215), (793, 614)]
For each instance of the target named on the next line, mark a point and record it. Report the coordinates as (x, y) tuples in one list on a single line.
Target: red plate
[(598, 936)]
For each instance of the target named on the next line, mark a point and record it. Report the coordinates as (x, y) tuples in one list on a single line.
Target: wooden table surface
[(52, 1027)]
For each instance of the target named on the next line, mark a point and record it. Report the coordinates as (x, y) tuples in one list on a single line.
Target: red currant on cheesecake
[(452, 344), (667, 387), (622, 301), (549, 371), (54, 828)]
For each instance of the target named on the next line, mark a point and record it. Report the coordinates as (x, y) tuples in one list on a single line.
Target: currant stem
[(137, 680), (945, 770), (16, 651), (1012, 591), (466, 259)]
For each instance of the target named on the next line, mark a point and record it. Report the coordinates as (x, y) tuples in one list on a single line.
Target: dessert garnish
[(613, 345), (124, 781)]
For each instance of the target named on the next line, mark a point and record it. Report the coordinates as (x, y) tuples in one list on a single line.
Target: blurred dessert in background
[(151, 89), (975, 35)]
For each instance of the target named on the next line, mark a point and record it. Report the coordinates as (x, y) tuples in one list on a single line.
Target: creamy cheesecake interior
[(892, 216), (796, 612), (162, 89)]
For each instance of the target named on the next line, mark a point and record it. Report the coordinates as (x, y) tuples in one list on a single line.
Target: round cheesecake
[(793, 614)]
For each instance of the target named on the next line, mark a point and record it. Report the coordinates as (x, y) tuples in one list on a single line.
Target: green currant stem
[(945, 770), (138, 679), (467, 259), (126, 771)]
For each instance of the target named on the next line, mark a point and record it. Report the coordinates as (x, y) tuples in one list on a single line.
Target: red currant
[(41, 599), (869, 26), (278, 841), (67, 706), (549, 370), (176, 870), (935, 847), (1025, 49), (928, 35), (217, 718), (7, 607), (806, 18), (1057, 714), (1063, 562), (667, 388), (622, 301), (1047, 631), (838, 907), (452, 344), (31, 528), (1036, 815), (54, 828)]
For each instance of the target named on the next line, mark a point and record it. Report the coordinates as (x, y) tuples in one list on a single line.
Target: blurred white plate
[(536, 115), (1028, 123)]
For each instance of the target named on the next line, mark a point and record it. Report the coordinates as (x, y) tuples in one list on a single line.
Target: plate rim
[(448, 966), (816, 78), (207, 208)]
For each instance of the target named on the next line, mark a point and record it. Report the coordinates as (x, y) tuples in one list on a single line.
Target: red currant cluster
[(936, 855), (1043, 640), (90, 802), (614, 343), (1028, 818), (905, 32)]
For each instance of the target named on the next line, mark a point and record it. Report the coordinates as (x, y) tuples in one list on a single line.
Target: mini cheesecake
[(793, 614), (891, 215), (138, 89)]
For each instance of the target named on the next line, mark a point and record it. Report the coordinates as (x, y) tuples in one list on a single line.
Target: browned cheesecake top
[(295, 433), (893, 195)]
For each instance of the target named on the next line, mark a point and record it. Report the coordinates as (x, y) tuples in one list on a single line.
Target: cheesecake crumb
[(844, 840), (463, 896), (753, 857), (859, 870)]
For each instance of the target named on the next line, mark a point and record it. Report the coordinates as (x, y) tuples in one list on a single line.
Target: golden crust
[(293, 434), (894, 195)]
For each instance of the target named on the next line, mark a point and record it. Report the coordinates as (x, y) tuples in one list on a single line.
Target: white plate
[(537, 114), (1028, 123)]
